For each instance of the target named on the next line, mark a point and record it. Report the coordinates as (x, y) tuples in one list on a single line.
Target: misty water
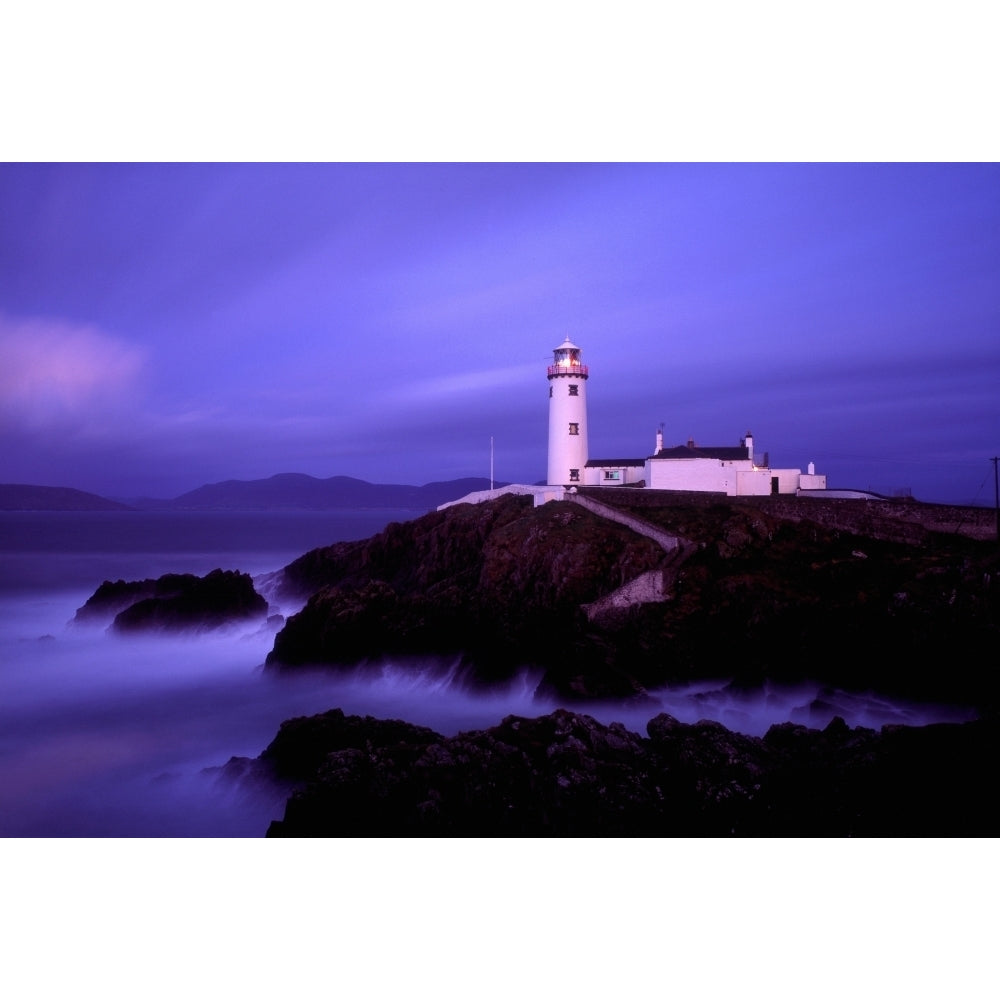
[(108, 736)]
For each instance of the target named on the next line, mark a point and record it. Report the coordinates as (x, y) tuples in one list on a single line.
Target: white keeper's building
[(735, 471)]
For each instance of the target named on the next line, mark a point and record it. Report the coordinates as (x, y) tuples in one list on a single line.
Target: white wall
[(788, 479), (753, 483), (627, 474), (813, 482), (542, 494), (708, 475), (567, 451)]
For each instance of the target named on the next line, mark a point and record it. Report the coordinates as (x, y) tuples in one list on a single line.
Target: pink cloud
[(53, 371)]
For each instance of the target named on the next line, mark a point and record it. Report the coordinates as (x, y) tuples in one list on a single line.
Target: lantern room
[(566, 361)]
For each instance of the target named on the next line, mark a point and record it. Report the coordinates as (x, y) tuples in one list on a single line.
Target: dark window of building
[(574, 390), (574, 428), (574, 475), (774, 485), (613, 474), (550, 392)]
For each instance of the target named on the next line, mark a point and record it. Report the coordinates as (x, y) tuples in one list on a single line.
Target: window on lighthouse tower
[(574, 428), (574, 390)]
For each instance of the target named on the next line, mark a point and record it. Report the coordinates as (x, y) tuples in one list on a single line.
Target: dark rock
[(504, 585), (303, 743), (501, 583), (176, 601), (565, 774), (836, 727), (112, 597)]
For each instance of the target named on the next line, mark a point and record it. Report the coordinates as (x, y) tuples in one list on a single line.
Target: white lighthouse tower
[(567, 416)]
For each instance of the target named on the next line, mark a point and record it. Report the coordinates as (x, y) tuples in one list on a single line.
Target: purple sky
[(163, 326)]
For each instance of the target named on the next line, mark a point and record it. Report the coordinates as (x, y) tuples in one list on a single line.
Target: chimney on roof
[(659, 440), (748, 441)]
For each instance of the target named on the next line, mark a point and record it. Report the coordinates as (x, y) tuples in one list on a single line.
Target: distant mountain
[(295, 491), (15, 496)]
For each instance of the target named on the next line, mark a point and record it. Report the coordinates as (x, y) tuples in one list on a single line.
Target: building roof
[(567, 344), (614, 463), (739, 453)]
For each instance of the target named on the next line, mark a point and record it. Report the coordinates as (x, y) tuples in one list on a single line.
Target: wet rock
[(176, 601), (763, 590), (565, 774), (501, 582), (302, 744), (111, 597)]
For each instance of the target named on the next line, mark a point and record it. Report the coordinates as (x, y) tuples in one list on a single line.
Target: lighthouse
[(567, 416)]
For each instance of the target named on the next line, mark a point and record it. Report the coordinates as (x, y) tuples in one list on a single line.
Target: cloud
[(441, 388), (56, 373)]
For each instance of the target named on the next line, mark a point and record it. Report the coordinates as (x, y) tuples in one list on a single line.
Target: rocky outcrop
[(175, 601), (901, 520), (565, 774), (501, 582), (747, 594), (303, 744), (114, 596)]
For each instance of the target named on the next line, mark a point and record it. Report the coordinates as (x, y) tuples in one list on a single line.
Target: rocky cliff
[(759, 593), (500, 582)]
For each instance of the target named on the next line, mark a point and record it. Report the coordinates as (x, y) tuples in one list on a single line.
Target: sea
[(105, 736)]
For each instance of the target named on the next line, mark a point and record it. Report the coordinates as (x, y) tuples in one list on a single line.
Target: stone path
[(651, 587)]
